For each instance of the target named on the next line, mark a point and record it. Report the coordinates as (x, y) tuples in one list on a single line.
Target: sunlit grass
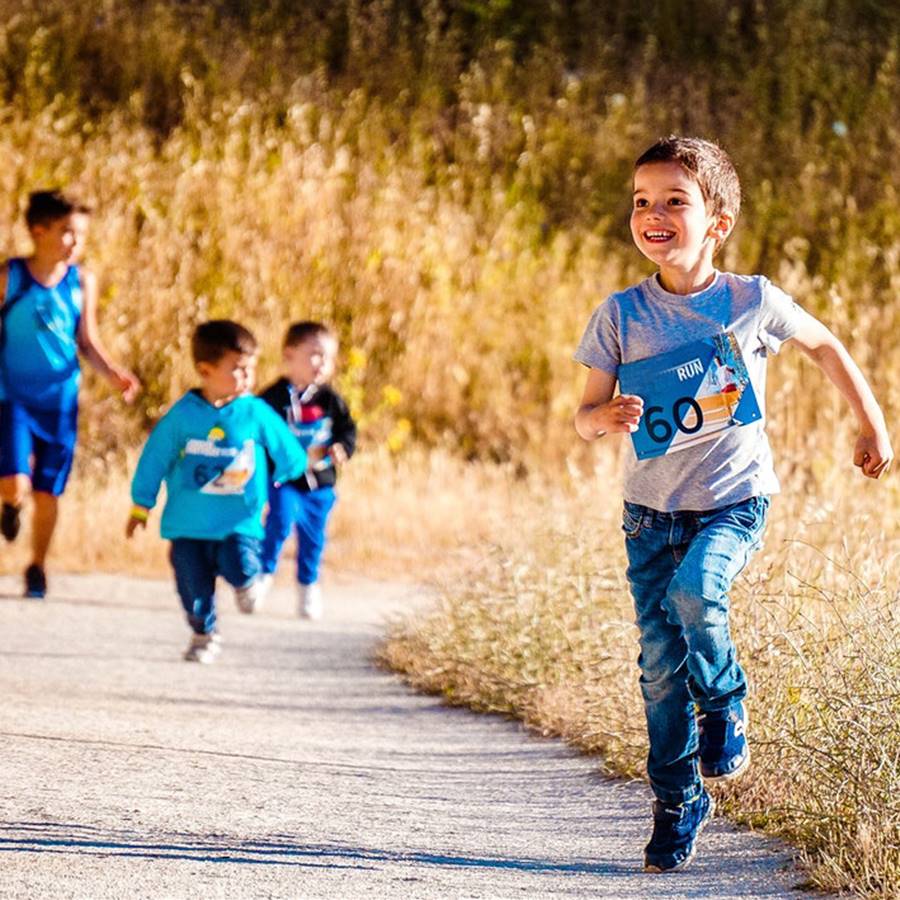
[(450, 191), (414, 518), (542, 630)]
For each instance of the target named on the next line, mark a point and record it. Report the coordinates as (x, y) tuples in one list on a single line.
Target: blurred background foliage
[(447, 182)]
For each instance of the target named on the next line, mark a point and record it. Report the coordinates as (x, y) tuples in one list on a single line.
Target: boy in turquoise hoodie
[(210, 448)]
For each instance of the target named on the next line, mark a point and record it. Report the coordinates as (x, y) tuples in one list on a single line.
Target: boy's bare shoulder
[(88, 278)]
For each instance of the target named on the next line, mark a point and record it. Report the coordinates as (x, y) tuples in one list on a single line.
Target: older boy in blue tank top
[(48, 315), (693, 342)]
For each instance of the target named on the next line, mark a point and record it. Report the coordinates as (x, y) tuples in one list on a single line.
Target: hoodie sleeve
[(283, 448), (159, 454)]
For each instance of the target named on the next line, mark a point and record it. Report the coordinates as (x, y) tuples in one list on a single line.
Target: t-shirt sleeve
[(780, 317), (600, 347)]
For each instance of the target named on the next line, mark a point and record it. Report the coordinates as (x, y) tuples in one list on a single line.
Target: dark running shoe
[(723, 743), (675, 832), (9, 521), (35, 582)]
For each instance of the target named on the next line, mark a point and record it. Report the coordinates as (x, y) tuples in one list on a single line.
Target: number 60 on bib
[(691, 394)]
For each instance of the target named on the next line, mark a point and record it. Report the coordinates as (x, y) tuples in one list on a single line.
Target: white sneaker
[(252, 596), (203, 648), (310, 601)]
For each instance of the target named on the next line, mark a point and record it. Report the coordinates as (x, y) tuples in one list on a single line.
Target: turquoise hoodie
[(213, 460)]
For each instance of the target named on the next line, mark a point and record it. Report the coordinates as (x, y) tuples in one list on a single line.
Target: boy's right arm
[(3, 281), (600, 413), (156, 459)]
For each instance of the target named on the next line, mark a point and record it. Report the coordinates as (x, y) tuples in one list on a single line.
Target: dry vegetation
[(448, 184), (542, 630)]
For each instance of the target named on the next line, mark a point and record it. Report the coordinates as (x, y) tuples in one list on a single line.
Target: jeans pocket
[(632, 522), (757, 508)]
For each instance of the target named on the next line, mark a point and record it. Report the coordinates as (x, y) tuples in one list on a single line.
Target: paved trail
[(293, 768)]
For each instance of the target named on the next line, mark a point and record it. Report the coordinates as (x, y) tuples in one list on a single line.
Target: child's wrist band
[(138, 512)]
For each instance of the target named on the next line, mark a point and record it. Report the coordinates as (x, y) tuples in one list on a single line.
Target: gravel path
[(293, 768)]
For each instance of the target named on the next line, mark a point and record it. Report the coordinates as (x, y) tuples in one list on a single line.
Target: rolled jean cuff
[(674, 798)]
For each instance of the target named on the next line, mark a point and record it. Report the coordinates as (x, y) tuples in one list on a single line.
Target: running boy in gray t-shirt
[(688, 349)]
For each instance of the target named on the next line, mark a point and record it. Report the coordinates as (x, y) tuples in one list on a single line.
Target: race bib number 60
[(690, 395)]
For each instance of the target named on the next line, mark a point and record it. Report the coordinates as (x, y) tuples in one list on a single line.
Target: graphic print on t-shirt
[(309, 424), (212, 466), (691, 394)]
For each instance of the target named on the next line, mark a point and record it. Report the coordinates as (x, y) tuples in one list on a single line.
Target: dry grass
[(414, 518), (542, 630), (450, 190)]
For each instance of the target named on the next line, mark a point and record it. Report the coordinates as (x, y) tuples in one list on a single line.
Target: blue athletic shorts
[(39, 443)]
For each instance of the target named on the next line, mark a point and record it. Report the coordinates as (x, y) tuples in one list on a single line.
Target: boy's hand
[(621, 414), (338, 455), (873, 453), (316, 454), (126, 382), (137, 519)]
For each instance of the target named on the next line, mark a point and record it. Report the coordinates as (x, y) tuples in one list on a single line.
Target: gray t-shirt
[(645, 320)]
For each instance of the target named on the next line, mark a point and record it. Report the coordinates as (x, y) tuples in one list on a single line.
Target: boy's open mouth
[(658, 236)]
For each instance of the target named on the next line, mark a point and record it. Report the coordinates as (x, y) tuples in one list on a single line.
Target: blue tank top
[(39, 339)]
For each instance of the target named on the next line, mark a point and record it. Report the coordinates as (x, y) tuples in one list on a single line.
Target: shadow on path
[(33, 837)]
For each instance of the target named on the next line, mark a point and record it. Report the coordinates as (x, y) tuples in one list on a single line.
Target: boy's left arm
[(91, 345), (344, 433), (873, 452)]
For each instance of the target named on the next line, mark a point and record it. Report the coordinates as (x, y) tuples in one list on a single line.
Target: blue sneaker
[(10, 521), (35, 582), (723, 743), (675, 832)]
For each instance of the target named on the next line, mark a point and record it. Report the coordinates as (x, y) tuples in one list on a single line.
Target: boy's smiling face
[(670, 223)]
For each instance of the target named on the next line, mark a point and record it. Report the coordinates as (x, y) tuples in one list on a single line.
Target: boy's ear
[(202, 368), (722, 227)]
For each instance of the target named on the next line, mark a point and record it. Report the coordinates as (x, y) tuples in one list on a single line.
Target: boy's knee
[(14, 489), (698, 597), (660, 684)]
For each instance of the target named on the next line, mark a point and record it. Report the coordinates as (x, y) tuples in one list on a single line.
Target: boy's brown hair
[(298, 332), (212, 340), (45, 207), (707, 163)]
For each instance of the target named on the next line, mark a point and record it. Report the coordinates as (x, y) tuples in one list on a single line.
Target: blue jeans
[(307, 511), (680, 567), (197, 563)]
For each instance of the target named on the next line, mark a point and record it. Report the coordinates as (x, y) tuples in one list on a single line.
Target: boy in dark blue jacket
[(210, 448), (323, 426)]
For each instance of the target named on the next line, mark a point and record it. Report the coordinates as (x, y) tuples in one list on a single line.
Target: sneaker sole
[(728, 776), (657, 870)]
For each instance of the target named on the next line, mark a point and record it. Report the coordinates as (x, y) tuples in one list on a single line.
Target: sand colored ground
[(293, 768)]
